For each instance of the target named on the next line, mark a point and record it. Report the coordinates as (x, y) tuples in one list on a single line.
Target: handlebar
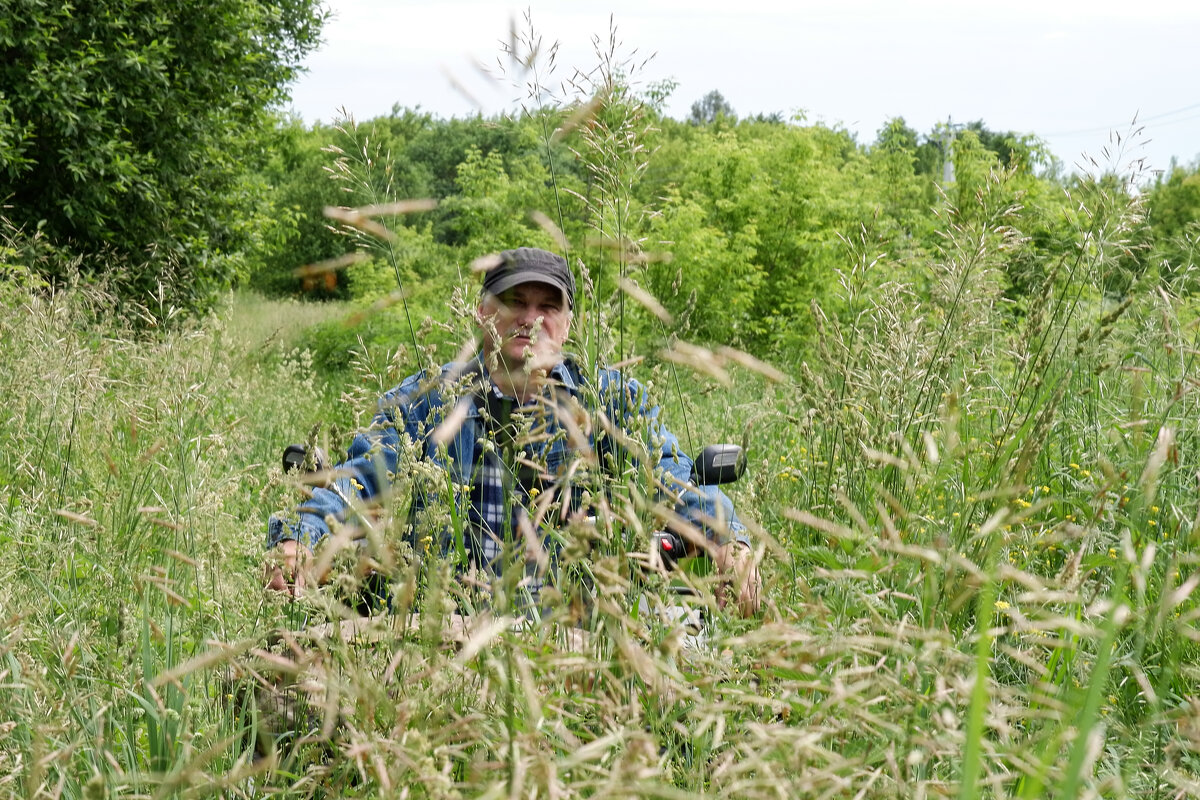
[(669, 547)]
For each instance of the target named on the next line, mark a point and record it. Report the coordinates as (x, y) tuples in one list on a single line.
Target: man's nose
[(527, 314)]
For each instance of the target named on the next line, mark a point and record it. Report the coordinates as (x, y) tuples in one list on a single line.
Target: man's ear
[(485, 317), (484, 309)]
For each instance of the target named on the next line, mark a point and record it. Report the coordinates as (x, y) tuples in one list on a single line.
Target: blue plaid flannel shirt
[(487, 494)]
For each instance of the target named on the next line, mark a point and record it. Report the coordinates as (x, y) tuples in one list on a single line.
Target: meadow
[(970, 415), (976, 520)]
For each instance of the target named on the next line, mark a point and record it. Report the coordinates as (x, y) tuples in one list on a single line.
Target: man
[(517, 432)]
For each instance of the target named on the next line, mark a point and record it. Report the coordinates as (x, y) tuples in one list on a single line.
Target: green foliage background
[(126, 128), (735, 226)]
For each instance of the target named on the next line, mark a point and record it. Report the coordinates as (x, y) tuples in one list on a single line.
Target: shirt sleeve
[(705, 506), (364, 475)]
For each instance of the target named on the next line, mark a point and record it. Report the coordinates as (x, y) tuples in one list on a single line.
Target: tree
[(1173, 210), (127, 126), (1020, 151), (710, 108), (894, 165), (489, 213), (752, 214), (295, 230)]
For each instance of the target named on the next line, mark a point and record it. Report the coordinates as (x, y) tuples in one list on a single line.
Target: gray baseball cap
[(530, 265)]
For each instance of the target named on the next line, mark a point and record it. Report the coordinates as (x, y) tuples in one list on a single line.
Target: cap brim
[(516, 279)]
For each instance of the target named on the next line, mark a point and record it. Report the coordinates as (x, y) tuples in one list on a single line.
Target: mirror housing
[(295, 456), (718, 464)]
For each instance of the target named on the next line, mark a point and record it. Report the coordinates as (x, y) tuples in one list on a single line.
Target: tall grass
[(1000, 480), (128, 478)]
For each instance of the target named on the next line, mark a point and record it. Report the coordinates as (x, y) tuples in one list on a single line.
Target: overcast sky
[(1070, 71)]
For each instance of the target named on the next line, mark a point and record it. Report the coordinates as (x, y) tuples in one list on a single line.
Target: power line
[(1170, 113), (1130, 123), (1177, 121)]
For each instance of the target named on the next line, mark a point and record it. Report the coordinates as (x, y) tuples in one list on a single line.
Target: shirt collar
[(559, 372)]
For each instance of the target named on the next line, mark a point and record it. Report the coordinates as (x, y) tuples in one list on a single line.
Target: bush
[(126, 127), (21, 257), (383, 334)]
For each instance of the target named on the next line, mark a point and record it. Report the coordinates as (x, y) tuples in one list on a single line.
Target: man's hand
[(286, 567), (740, 578)]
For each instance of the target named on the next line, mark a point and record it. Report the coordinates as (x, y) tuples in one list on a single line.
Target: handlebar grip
[(670, 547), (295, 457)]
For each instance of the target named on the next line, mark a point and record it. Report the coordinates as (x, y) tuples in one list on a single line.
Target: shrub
[(126, 128)]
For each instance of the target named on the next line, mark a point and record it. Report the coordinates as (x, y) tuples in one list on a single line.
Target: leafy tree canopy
[(126, 125), (710, 108)]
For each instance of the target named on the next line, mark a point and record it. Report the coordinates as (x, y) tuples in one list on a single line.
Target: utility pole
[(947, 135)]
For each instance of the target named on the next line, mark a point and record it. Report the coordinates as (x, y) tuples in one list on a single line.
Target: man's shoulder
[(433, 387), (604, 382), (428, 386), (570, 372), (609, 380)]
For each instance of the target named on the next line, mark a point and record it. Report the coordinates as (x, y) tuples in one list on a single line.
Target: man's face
[(525, 326)]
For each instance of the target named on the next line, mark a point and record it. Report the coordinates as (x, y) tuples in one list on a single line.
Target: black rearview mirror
[(719, 463)]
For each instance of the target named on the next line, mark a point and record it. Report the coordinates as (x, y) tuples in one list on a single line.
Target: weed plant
[(977, 524)]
